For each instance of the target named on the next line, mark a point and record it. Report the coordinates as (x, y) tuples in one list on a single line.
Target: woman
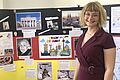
[(95, 49)]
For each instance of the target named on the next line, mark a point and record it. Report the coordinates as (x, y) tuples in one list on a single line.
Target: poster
[(6, 48), (44, 71), (70, 19), (55, 46), (115, 19), (28, 20)]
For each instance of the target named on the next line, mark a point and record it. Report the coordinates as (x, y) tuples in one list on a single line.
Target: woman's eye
[(87, 14), (95, 15)]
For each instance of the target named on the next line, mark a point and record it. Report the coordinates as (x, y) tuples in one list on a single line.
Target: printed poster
[(6, 48), (55, 46)]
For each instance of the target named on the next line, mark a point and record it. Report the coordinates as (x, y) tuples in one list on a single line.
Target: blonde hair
[(97, 7)]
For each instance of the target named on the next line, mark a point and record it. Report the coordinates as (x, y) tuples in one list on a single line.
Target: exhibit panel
[(39, 44)]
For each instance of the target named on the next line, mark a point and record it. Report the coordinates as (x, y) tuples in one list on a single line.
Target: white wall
[(16, 4), (74, 3), (1, 4), (51, 3)]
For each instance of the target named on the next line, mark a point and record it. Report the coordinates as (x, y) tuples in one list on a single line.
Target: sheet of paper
[(117, 71), (10, 67), (29, 33), (74, 63), (117, 64), (24, 57), (29, 61), (117, 43), (31, 73), (64, 65), (75, 32)]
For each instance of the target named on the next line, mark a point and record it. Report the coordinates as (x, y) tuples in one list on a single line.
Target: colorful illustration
[(55, 46)]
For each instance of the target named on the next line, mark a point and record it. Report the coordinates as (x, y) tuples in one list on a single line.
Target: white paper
[(29, 33), (64, 65), (10, 67), (117, 64), (31, 73), (117, 42), (74, 63), (24, 57), (106, 28), (29, 61), (117, 71), (6, 41), (75, 32)]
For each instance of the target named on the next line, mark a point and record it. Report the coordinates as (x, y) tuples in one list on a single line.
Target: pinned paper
[(75, 32), (29, 61), (10, 67), (64, 65), (31, 73), (29, 33)]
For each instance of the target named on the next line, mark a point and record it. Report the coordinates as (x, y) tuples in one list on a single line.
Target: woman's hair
[(26, 43), (97, 7)]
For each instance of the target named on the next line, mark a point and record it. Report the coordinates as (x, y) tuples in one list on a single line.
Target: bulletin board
[(50, 26), (22, 20)]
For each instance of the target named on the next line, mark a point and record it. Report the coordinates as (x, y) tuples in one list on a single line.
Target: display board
[(41, 42)]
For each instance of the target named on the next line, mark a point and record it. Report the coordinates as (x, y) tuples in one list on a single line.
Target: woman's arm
[(109, 59), (77, 70)]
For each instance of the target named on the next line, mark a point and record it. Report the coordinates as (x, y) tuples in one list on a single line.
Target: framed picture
[(44, 71), (28, 20), (115, 19), (24, 47), (70, 19), (52, 23), (55, 47), (30, 48)]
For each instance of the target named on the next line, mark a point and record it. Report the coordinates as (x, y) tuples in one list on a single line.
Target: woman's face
[(91, 18)]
